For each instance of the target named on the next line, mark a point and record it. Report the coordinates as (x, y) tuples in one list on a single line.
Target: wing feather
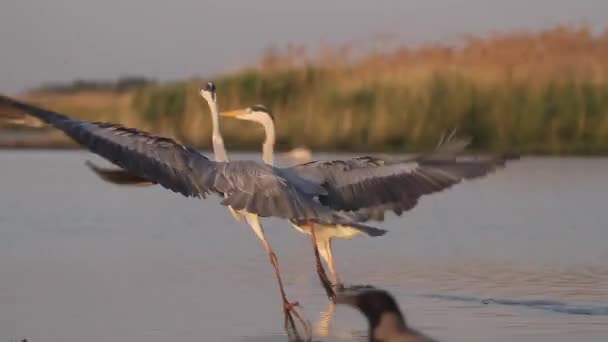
[(373, 185), (118, 176)]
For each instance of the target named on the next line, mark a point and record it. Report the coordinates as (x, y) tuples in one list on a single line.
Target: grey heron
[(372, 185), (385, 319), (366, 185), (120, 177), (250, 188)]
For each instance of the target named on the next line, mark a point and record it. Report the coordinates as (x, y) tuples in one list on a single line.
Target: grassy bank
[(543, 92)]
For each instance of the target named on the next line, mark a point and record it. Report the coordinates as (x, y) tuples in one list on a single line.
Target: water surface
[(521, 255)]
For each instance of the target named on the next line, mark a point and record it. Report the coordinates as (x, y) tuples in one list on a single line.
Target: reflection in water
[(81, 261), (323, 327)]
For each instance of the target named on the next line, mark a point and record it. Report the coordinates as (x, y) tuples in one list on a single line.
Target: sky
[(45, 41)]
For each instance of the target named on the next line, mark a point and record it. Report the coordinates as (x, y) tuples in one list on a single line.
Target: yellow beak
[(233, 113)]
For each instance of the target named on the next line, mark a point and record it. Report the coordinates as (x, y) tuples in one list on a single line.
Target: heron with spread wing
[(369, 186), (372, 186)]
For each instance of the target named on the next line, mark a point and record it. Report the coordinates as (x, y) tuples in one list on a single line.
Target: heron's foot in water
[(293, 319), (289, 307)]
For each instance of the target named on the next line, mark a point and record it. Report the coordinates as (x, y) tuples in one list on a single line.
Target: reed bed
[(535, 92)]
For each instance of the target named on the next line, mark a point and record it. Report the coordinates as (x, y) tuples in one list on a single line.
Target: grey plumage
[(372, 186), (118, 176), (245, 185)]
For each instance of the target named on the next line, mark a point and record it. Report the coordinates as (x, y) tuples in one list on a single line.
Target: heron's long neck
[(216, 136), (268, 147)]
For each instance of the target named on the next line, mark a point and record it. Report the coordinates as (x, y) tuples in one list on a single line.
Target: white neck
[(216, 136), (268, 147)]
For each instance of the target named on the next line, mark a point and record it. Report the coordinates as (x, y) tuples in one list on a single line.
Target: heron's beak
[(234, 113)]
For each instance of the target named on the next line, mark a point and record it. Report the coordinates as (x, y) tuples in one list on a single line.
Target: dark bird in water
[(386, 321)]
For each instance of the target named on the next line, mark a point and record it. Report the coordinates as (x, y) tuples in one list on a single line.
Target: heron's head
[(372, 302), (208, 92), (257, 113)]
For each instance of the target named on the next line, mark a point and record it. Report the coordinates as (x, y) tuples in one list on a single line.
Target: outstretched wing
[(373, 185), (118, 176), (174, 166), (246, 185)]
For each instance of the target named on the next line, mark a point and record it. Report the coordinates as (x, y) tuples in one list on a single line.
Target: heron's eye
[(208, 87)]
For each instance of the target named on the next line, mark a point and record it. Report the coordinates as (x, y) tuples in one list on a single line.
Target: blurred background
[(531, 76)]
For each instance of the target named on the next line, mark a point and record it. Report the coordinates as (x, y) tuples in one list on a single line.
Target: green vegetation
[(543, 92)]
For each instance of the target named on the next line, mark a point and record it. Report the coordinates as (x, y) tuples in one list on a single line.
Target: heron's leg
[(326, 253), (288, 308), (331, 294)]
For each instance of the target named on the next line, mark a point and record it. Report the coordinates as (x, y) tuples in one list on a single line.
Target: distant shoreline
[(514, 91)]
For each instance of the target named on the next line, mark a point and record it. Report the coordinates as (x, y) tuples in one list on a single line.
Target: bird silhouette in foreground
[(386, 321)]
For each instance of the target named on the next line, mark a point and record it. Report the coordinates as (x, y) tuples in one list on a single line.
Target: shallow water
[(521, 255)]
